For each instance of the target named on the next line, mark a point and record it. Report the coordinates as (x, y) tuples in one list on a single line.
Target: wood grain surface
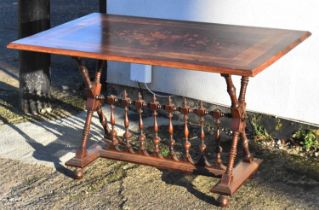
[(227, 49)]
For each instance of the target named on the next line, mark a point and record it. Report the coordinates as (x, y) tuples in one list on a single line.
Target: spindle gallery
[(213, 48)]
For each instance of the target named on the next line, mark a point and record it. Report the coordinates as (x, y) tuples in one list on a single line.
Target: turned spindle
[(217, 115), (170, 108), (112, 100), (185, 110), (85, 75), (99, 100), (154, 106), (103, 122), (201, 112), (139, 104), (126, 101), (237, 112), (242, 100)]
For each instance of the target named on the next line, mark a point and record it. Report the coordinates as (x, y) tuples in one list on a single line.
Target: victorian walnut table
[(216, 48)]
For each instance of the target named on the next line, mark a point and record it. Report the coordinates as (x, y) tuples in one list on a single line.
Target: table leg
[(233, 178), (242, 102), (93, 104), (82, 152), (236, 127)]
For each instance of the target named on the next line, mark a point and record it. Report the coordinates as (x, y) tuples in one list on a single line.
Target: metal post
[(103, 6), (103, 9)]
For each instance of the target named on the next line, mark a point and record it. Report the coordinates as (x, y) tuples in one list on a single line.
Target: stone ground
[(117, 185), (32, 154)]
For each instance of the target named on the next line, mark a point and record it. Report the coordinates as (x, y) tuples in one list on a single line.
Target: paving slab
[(53, 142)]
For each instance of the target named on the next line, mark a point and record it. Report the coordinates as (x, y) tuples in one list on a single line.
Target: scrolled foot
[(78, 173), (223, 201)]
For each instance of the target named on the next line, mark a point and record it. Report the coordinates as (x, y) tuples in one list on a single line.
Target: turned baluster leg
[(83, 149), (217, 114), (102, 118), (154, 105), (92, 104), (236, 123), (228, 176), (139, 104), (185, 110), (201, 112), (111, 100), (236, 128), (170, 108), (238, 110), (247, 155), (126, 101), (85, 74)]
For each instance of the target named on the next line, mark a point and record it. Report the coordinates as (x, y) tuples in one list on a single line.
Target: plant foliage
[(308, 139)]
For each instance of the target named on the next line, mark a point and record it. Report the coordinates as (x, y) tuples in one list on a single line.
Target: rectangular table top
[(227, 49)]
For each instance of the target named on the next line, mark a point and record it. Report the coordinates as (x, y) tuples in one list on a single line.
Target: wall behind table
[(289, 88)]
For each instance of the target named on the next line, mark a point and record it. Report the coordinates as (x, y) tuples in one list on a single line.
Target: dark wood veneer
[(209, 47)]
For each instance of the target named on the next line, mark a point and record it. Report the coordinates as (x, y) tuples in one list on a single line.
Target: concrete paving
[(53, 142)]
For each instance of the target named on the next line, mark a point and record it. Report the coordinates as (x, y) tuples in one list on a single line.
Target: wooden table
[(216, 48)]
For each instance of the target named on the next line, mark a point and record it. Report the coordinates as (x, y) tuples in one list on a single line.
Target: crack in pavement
[(121, 190)]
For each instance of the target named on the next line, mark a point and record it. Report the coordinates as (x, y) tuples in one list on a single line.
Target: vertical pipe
[(103, 9), (103, 6)]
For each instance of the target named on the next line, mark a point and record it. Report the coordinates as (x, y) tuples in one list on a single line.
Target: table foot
[(223, 201), (241, 173), (78, 173), (80, 162)]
